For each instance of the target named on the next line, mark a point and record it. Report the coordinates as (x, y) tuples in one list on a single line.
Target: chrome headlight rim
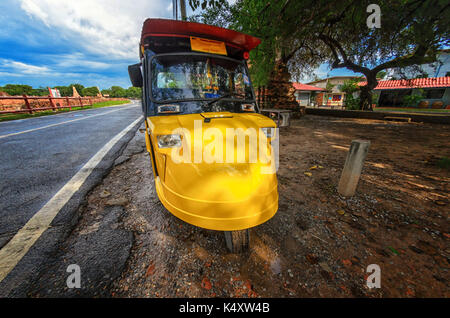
[(169, 141)]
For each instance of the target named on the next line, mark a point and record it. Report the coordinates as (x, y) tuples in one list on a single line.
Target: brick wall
[(16, 104)]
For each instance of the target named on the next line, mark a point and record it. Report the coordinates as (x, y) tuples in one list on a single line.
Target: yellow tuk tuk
[(213, 154)]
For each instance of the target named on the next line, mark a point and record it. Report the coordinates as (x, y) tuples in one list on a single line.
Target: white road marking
[(61, 123), (19, 245), (56, 115)]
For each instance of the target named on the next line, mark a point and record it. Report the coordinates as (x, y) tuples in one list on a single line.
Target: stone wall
[(18, 104)]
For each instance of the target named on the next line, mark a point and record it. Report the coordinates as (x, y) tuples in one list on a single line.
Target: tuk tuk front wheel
[(237, 241)]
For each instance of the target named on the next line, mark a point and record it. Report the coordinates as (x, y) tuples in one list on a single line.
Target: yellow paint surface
[(227, 194)]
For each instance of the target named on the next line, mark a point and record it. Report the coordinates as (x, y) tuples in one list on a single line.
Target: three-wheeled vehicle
[(202, 124)]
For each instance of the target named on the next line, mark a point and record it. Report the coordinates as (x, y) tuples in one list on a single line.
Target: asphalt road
[(38, 156)]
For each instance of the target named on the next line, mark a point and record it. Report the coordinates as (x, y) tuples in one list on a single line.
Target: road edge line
[(24, 239)]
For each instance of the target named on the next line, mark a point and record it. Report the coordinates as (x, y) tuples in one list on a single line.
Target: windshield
[(198, 77)]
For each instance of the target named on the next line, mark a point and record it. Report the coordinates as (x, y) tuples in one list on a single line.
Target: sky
[(91, 42)]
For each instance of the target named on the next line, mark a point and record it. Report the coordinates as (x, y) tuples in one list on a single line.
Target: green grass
[(412, 110), (6, 117), (444, 163)]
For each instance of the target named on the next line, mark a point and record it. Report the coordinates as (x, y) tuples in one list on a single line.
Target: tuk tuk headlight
[(169, 141), (248, 107), (162, 109), (268, 131)]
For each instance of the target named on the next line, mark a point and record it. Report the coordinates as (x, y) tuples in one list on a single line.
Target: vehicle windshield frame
[(253, 100)]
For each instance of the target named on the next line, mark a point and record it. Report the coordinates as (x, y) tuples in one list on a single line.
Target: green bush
[(444, 163), (349, 87), (351, 103), (413, 99)]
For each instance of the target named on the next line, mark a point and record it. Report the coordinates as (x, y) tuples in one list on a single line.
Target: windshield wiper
[(219, 98), (224, 96)]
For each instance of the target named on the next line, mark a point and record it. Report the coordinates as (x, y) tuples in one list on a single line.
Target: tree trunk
[(280, 92), (365, 97), (183, 10)]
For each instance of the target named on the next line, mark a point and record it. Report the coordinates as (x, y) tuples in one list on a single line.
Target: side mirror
[(135, 75)]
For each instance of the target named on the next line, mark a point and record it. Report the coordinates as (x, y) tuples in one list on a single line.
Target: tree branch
[(343, 61), (292, 53), (418, 57)]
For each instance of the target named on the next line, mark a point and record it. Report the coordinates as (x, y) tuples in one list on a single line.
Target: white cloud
[(32, 9), (16, 67), (77, 60), (23, 73), (110, 28)]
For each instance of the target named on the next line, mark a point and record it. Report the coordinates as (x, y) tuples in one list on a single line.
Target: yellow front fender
[(219, 195)]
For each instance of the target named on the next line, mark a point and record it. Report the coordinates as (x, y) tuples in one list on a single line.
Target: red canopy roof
[(413, 83), (304, 87), (164, 27)]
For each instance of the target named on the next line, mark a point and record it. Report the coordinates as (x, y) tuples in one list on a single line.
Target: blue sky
[(91, 42)]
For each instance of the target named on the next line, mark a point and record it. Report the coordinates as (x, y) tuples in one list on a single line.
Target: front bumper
[(220, 215)]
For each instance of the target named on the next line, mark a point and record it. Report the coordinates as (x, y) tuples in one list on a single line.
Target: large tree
[(411, 32), (90, 91), (301, 34)]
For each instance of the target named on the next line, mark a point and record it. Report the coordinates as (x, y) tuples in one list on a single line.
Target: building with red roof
[(303, 93), (324, 92), (434, 90), (433, 82), (308, 88)]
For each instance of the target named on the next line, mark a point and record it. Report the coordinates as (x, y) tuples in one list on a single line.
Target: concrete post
[(353, 166)]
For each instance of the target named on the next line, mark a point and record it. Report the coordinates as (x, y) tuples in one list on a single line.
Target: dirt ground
[(319, 244)]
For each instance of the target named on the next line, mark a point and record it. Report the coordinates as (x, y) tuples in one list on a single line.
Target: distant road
[(38, 157)]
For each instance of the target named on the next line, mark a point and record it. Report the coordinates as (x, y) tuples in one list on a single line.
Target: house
[(304, 93), (392, 93), (331, 95)]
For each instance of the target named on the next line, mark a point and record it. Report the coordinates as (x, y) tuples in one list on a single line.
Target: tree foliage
[(119, 92), (304, 34), (16, 89), (134, 92), (205, 3), (78, 87), (67, 91), (90, 91), (381, 75), (350, 87)]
